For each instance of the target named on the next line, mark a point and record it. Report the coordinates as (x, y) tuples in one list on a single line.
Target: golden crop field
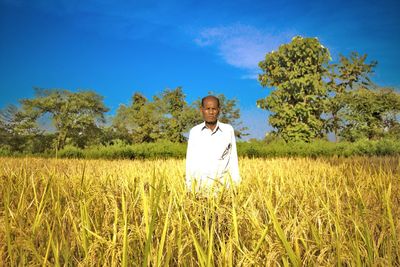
[(286, 212)]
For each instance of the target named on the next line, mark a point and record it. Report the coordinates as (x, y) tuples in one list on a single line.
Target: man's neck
[(211, 125)]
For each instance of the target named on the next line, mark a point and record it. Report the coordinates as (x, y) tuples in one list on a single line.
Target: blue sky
[(118, 47)]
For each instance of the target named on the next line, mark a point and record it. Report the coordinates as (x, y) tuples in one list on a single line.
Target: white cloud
[(241, 46)]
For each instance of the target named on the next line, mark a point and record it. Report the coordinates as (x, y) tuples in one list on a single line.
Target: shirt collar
[(217, 127)]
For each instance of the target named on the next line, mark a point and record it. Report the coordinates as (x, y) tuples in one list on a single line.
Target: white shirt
[(211, 154)]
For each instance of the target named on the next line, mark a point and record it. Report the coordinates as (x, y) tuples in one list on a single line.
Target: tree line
[(79, 119), (310, 98)]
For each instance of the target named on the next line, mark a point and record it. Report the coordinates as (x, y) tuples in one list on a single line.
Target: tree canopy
[(167, 117), (74, 115), (138, 122), (297, 72), (369, 113), (311, 97)]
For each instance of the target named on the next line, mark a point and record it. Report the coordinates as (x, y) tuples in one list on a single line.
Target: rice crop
[(286, 212)]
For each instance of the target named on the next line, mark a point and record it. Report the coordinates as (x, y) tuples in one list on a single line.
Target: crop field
[(286, 212)]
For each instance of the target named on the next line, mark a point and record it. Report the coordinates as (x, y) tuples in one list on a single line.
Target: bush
[(252, 149), (5, 151), (319, 148), (71, 152), (162, 149)]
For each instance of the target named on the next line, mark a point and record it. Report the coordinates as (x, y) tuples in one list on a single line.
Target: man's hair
[(207, 97)]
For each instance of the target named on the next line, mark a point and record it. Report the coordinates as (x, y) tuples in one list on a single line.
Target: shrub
[(252, 149), (71, 152)]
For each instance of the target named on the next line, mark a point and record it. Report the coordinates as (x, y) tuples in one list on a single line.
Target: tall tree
[(139, 122), (349, 74), (74, 115), (296, 71), (178, 115), (20, 133)]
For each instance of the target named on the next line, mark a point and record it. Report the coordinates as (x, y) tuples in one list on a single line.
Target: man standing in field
[(211, 152)]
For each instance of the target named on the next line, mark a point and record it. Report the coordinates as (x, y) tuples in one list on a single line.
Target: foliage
[(320, 148), (167, 117), (270, 148), (352, 72), (349, 74), (8, 131), (71, 152), (312, 97), (20, 133), (161, 149), (178, 117), (369, 113), (74, 115), (139, 122), (78, 121), (297, 72), (258, 149)]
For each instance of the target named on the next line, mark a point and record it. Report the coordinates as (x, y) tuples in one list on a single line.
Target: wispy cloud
[(240, 45)]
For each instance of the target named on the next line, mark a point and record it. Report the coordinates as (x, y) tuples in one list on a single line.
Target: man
[(211, 152)]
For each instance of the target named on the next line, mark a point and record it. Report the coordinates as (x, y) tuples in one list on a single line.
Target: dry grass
[(286, 212)]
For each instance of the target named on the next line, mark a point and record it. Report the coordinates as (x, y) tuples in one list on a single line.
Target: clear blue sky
[(118, 47)]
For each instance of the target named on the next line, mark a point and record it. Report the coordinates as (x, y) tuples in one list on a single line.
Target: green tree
[(139, 122), (296, 71), (19, 133), (167, 117), (74, 115), (9, 136), (349, 74), (369, 113), (178, 116)]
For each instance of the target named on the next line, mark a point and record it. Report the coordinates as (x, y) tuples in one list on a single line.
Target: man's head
[(210, 109)]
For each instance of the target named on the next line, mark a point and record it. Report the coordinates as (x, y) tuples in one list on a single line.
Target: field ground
[(286, 212)]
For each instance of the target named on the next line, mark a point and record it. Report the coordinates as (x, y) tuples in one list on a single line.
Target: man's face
[(210, 110)]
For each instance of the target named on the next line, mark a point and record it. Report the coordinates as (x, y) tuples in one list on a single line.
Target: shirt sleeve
[(234, 163)]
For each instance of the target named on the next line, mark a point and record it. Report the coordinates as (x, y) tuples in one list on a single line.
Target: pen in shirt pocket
[(226, 151)]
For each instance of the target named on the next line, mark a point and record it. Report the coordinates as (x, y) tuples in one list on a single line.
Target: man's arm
[(233, 162)]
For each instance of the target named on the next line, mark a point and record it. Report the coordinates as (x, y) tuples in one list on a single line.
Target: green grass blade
[(278, 229)]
